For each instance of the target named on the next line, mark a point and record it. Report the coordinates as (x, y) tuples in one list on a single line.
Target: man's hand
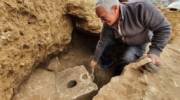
[(155, 59), (93, 64)]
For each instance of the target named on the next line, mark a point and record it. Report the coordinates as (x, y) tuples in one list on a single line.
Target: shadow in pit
[(88, 42), (79, 52)]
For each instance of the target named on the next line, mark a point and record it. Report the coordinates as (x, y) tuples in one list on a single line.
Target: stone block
[(74, 84)]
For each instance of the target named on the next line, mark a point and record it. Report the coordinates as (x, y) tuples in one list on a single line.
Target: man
[(130, 26)]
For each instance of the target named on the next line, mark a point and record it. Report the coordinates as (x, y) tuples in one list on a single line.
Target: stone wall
[(83, 13), (29, 31), (173, 17)]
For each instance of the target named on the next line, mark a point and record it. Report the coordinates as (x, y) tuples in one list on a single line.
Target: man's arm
[(155, 21), (104, 41)]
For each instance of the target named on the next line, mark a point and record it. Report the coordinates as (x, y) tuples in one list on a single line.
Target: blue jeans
[(121, 54)]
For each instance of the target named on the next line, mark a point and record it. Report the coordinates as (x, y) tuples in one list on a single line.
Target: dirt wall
[(29, 31)]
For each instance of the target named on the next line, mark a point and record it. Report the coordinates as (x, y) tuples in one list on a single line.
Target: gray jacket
[(140, 22)]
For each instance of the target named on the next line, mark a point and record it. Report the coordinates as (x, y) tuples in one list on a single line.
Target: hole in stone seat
[(72, 84)]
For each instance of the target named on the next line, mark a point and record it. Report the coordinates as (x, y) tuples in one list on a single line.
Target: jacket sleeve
[(158, 24), (104, 41)]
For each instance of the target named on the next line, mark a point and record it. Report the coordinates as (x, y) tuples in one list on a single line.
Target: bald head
[(107, 4)]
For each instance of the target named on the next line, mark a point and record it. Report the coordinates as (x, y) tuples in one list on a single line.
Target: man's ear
[(115, 9)]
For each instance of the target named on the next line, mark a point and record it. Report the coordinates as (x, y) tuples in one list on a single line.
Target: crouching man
[(129, 27)]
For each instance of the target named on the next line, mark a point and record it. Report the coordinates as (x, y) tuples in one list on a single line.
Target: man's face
[(107, 17)]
